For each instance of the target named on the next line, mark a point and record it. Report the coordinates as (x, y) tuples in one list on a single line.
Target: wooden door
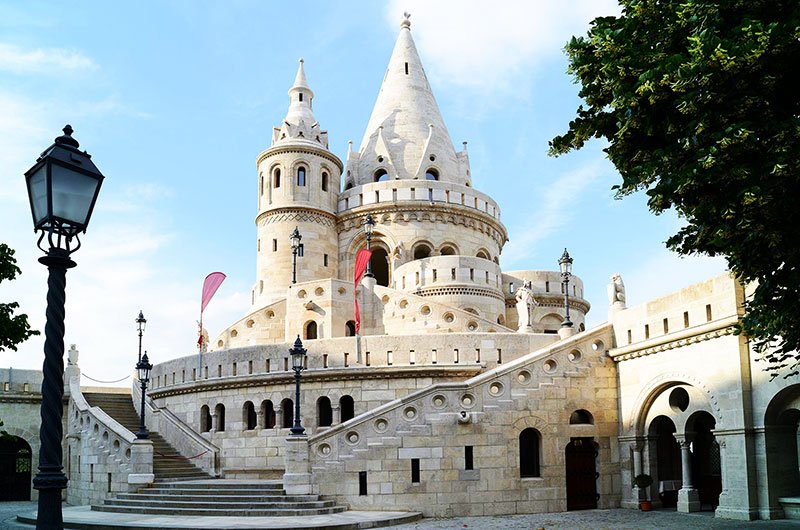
[(582, 475)]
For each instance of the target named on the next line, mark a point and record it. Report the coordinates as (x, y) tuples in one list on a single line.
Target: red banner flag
[(210, 286), (362, 259)]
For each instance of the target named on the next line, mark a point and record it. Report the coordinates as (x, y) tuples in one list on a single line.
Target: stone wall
[(20, 404)]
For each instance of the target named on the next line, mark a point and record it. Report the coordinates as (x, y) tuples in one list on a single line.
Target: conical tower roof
[(406, 133), (300, 124)]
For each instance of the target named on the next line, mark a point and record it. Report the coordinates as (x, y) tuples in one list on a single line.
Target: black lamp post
[(565, 264), (295, 241), (143, 367), (63, 186), (298, 354), (369, 225), (140, 323)]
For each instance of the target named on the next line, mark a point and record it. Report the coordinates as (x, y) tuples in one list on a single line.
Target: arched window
[(529, 453), (422, 251), (431, 174), (348, 186), (301, 176), (249, 416), (381, 175), (287, 413), (581, 417), (276, 179), (324, 412), (350, 328), (261, 185), (220, 412), (205, 419), (311, 330), (268, 413), (447, 250), (482, 254), (346, 408), (324, 181)]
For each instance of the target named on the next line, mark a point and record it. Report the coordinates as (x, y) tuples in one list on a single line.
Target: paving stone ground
[(583, 520)]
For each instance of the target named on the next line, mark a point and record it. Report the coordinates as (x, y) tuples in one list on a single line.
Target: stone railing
[(100, 450), (429, 191), (436, 271), (180, 436)]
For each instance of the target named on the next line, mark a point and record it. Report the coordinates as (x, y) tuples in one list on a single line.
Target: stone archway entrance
[(379, 262), (581, 466), (15, 469), (667, 453), (706, 461)]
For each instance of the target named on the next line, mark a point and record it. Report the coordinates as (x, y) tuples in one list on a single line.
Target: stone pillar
[(278, 417), (336, 413), (141, 474), (688, 498), (213, 426), (297, 478), (262, 422), (639, 494)]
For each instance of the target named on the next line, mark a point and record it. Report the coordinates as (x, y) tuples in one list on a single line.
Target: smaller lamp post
[(143, 367), (140, 324), (565, 264), (369, 225), (295, 241), (298, 354)]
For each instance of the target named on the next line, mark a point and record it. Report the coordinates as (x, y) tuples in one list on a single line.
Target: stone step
[(221, 497), (220, 504), (211, 512), (211, 492)]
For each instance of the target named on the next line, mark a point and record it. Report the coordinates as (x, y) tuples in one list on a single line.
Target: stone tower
[(298, 186)]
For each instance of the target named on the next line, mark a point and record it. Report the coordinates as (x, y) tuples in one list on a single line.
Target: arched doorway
[(324, 412), (706, 462), (782, 438), (15, 469), (379, 262), (350, 328), (581, 466), (311, 330), (666, 451), (346, 408)]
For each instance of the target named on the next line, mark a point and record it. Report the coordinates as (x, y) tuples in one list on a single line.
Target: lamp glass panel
[(37, 191), (73, 193), (297, 360)]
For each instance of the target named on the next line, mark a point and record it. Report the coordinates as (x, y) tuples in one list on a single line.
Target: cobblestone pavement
[(583, 520), (597, 520)]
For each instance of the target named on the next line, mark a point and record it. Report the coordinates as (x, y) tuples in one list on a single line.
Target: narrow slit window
[(708, 312), (362, 483), (666, 326), (406, 68), (415, 470), (686, 319), (468, 464)]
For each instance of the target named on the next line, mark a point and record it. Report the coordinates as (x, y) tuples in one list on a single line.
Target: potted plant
[(644, 481)]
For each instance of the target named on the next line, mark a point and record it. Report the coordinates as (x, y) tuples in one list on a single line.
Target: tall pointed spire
[(406, 121), (300, 123)]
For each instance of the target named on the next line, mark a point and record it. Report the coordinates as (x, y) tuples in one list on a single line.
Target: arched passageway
[(706, 461), (782, 441), (379, 262), (666, 454), (15, 469)]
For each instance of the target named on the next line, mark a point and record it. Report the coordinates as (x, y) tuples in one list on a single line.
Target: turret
[(298, 187)]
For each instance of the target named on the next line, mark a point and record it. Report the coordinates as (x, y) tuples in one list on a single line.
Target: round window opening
[(679, 399)]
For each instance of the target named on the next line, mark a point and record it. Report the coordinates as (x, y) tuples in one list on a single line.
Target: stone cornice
[(326, 218), (307, 149), (21, 398), (437, 212), (685, 337), (359, 373)]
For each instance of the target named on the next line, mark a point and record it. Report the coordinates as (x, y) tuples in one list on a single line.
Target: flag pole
[(358, 349), (200, 357)]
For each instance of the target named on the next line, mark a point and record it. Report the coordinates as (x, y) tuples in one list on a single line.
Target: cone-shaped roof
[(300, 123), (406, 120)]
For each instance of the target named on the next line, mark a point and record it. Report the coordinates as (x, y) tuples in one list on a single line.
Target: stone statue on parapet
[(616, 292), (202, 338), (525, 305)]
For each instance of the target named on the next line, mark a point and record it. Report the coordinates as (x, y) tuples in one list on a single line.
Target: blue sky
[(175, 99)]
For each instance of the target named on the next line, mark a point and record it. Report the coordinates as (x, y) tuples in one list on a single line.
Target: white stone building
[(463, 393)]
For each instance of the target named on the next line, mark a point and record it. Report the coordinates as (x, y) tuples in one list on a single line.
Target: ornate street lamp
[(565, 264), (294, 239), (369, 225), (298, 354), (140, 323), (143, 367), (63, 186)]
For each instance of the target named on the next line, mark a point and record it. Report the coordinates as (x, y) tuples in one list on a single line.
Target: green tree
[(699, 102), (13, 329)]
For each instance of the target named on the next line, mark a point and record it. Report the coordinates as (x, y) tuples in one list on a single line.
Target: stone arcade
[(463, 393)]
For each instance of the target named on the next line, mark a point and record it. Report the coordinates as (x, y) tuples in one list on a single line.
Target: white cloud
[(42, 60), (485, 46), (555, 200)]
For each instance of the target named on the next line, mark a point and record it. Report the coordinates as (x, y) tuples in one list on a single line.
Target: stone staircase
[(168, 464), (218, 497)]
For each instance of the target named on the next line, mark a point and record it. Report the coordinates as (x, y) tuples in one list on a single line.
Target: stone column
[(336, 412), (278, 417), (688, 498), (213, 426), (297, 478), (639, 494), (141, 474), (262, 423)]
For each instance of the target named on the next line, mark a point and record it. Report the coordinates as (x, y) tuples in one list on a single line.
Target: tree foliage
[(13, 328), (699, 101)]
